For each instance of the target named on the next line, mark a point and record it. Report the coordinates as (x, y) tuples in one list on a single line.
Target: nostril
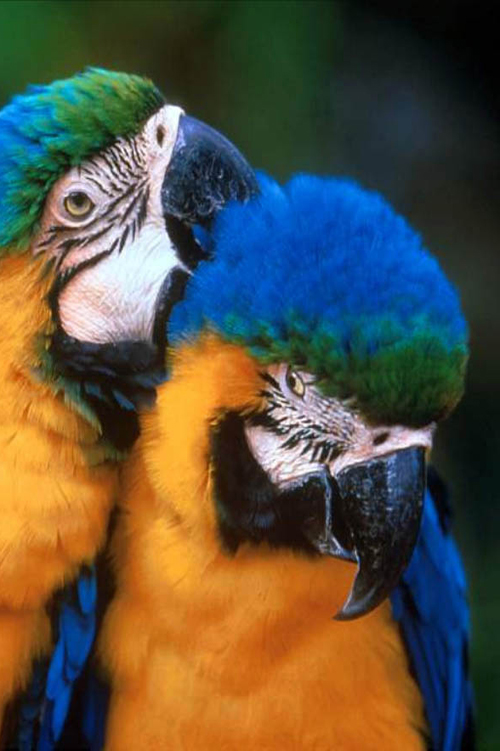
[(160, 135), (381, 438)]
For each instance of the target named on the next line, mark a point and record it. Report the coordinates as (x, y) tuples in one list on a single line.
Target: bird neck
[(31, 389)]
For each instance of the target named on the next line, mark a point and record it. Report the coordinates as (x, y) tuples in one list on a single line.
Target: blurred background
[(401, 95)]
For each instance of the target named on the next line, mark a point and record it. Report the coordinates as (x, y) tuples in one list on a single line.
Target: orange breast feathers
[(54, 504), (207, 650)]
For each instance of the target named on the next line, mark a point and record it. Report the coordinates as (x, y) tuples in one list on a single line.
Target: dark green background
[(400, 95)]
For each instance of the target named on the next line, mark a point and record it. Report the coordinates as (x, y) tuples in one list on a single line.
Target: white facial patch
[(302, 430), (103, 227), (366, 447), (116, 299), (280, 464)]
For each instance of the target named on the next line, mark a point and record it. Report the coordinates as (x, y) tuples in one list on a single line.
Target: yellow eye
[(78, 204), (295, 383)]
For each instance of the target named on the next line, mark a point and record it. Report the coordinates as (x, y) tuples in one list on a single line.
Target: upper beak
[(372, 517), (205, 172)]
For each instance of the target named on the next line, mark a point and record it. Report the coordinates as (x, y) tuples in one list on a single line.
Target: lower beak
[(372, 517), (205, 172)]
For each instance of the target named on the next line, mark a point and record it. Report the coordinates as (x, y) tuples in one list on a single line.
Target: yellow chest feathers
[(55, 489), (243, 653)]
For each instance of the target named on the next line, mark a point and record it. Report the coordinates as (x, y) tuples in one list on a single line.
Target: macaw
[(277, 494), (100, 182)]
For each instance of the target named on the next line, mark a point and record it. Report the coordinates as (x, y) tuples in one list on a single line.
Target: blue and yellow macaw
[(285, 575), (100, 182)]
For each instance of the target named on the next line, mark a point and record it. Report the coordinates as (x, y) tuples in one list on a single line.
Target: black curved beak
[(382, 501), (205, 172), (372, 517)]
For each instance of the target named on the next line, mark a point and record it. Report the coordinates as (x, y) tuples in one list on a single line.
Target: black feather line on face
[(324, 442), (118, 378), (114, 379)]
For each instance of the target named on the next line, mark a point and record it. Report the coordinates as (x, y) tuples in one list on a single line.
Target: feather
[(46, 130), (49, 694), (30, 708), (94, 712), (370, 312), (431, 607), (87, 590)]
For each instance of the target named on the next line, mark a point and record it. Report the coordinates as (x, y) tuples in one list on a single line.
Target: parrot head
[(322, 346), (101, 181)]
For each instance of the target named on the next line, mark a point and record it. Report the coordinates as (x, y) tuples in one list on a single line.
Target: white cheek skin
[(116, 299), (364, 448), (159, 156), (285, 464), (281, 465), (156, 159)]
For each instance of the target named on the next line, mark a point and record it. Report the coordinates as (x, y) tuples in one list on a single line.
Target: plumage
[(74, 638), (198, 642), (386, 326), (31, 707), (55, 502), (431, 605), (93, 171), (288, 372), (49, 129)]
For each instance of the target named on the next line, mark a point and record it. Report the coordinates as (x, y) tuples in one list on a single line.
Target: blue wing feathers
[(430, 604), (87, 591), (30, 708), (55, 677), (49, 695), (78, 637), (94, 712)]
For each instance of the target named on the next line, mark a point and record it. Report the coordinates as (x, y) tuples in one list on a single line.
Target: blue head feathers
[(325, 276)]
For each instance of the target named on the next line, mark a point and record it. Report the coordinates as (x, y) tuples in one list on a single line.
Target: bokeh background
[(402, 96)]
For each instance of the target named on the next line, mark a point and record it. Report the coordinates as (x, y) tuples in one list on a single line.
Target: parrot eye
[(78, 204), (295, 383)]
